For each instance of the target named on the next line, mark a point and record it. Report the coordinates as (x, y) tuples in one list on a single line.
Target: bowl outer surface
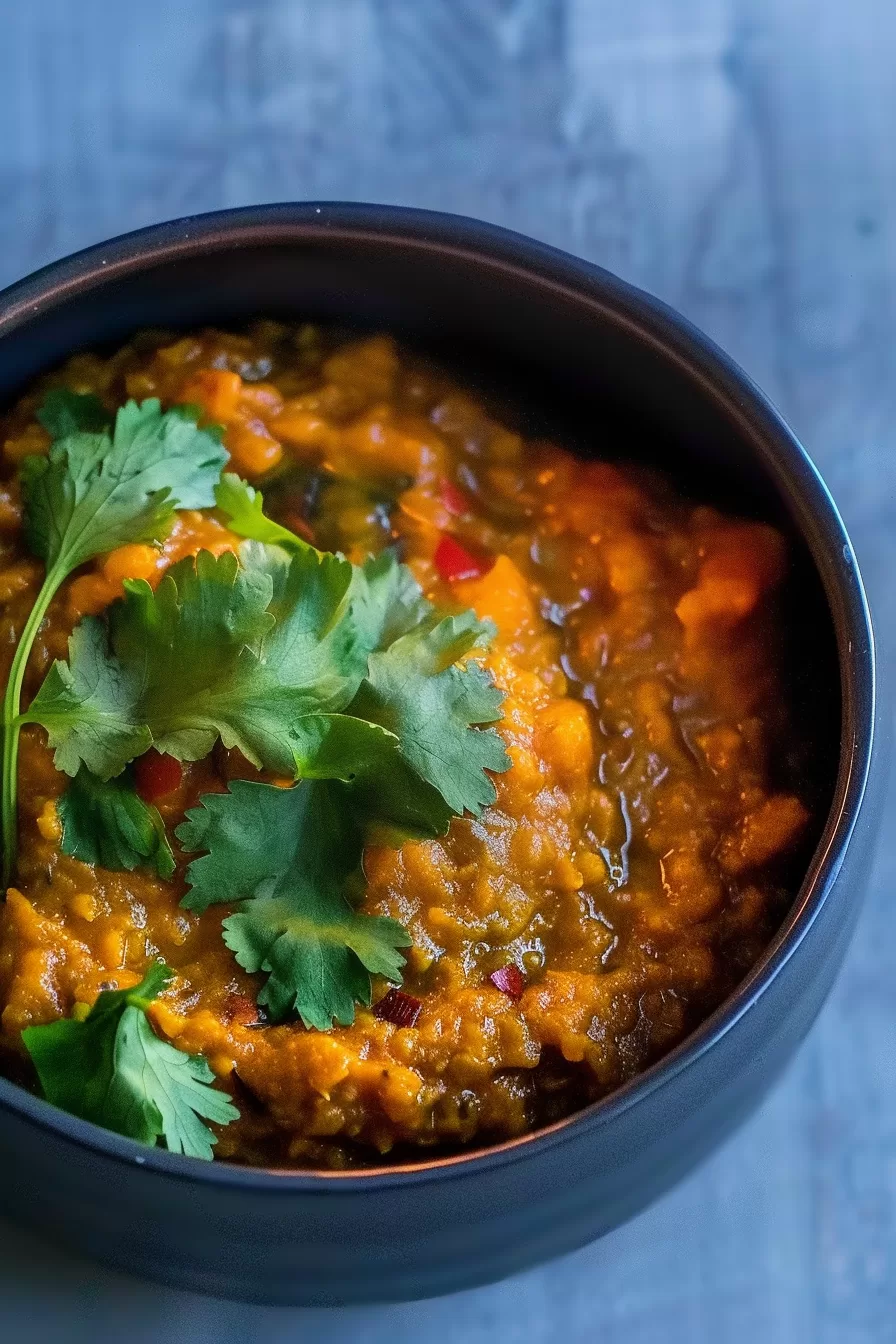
[(598, 349)]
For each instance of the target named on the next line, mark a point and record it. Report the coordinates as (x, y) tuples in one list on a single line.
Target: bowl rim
[(623, 306)]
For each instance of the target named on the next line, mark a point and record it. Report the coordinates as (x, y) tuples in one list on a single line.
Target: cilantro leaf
[(314, 643), (109, 824), (387, 601), (217, 650), (191, 649), (159, 1091), (305, 819), (243, 506), (414, 690), (286, 856), (64, 412), (112, 1069), (319, 954), (386, 793), (89, 707), (93, 492)]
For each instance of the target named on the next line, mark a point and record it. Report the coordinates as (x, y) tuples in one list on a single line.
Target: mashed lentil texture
[(635, 862)]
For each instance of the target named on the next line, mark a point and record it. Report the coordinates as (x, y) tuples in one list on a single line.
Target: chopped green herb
[(107, 823), (91, 493), (111, 1068)]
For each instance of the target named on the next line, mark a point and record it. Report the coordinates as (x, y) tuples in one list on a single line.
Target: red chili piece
[(240, 1008), (296, 523), (156, 776), (454, 499), (510, 980), (454, 561), (399, 1008)]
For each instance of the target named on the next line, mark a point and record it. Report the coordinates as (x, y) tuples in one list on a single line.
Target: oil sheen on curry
[(528, 924)]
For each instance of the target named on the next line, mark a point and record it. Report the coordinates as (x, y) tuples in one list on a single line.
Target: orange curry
[(637, 858)]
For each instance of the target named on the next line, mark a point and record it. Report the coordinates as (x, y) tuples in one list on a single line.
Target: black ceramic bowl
[(608, 369)]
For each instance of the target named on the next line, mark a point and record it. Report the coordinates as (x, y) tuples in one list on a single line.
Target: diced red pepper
[(156, 776), (401, 1009), (454, 499), (510, 980), (455, 562)]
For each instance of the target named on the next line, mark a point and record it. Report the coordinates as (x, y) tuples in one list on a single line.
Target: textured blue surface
[(734, 156)]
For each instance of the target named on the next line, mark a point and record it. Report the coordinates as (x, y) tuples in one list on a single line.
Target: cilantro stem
[(12, 704)]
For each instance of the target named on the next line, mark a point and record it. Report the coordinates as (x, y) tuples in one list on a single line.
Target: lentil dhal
[(635, 862)]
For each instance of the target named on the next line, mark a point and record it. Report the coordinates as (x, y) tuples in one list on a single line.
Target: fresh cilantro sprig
[(94, 491), (245, 650), (111, 1068), (287, 857)]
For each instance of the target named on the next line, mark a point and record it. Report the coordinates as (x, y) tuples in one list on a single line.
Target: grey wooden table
[(734, 156)]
